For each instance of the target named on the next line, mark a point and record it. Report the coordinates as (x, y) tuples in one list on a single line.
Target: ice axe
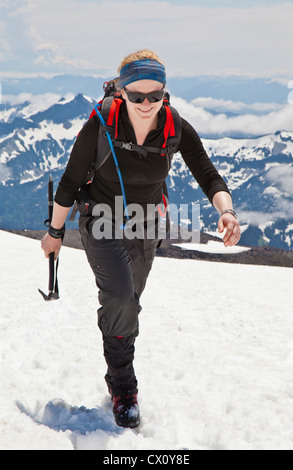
[(53, 280)]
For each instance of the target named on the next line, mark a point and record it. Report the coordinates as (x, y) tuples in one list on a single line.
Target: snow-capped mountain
[(259, 173), (32, 145), (36, 140)]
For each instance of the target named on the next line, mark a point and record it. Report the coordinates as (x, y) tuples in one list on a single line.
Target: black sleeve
[(199, 163), (82, 156)]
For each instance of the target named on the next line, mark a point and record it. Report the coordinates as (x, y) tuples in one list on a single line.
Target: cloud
[(192, 40), (282, 177), (36, 102), (5, 172), (246, 124), (15, 37), (255, 218), (234, 106), (283, 209)]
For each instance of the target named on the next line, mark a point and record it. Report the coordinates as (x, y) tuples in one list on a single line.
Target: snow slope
[(212, 247), (214, 357)]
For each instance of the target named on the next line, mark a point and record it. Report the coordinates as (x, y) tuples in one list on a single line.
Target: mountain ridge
[(257, 255), (258, 172)]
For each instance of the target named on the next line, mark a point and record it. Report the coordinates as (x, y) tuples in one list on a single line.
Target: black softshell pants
[(121, 268)]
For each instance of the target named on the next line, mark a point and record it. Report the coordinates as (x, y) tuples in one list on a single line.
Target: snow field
[(213, 359)]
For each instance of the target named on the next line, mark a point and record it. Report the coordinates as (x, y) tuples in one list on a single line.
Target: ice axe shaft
[(52, 287), (53, 280)]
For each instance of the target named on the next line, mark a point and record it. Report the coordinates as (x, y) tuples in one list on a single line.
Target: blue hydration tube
[(116, 163)]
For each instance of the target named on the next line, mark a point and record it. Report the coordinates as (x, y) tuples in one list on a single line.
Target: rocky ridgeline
[(264, 255)]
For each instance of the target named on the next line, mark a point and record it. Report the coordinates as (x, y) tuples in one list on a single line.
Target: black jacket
[(143, 177)]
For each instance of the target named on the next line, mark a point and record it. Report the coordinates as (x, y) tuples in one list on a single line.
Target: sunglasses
[(139, 98)]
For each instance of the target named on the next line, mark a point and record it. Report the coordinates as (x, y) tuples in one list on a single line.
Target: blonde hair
[(139, 55)]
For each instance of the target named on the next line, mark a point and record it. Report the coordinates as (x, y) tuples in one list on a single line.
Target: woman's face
[(146, 111)]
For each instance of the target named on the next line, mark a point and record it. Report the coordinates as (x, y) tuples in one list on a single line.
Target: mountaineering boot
[(126, 410), (121, 380)]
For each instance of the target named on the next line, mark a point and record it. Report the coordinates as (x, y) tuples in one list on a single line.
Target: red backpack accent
[(110, 107)]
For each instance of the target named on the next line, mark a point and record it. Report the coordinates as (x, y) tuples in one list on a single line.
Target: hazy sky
[(218, 37)]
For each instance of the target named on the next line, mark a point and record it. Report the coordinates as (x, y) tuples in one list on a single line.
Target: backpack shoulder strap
[(172, 131), (109, 109)]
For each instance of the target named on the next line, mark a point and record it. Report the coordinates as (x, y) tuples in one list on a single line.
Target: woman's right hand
[(51, 245)]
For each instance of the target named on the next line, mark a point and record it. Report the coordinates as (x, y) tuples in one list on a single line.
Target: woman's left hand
[(233, 233)]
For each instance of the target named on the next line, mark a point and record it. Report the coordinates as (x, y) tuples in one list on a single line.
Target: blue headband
[(145, 69)]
